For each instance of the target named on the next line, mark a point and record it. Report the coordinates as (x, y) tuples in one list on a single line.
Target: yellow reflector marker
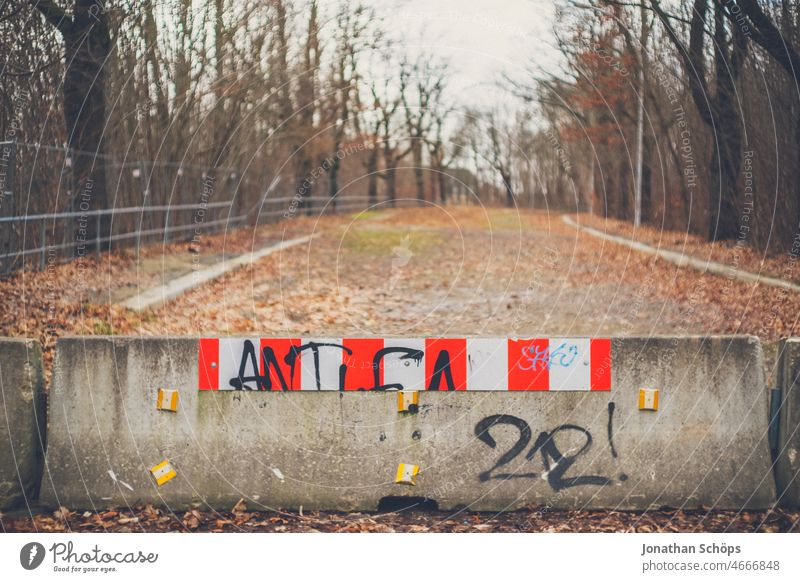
[(408, 402), (163, 472), (648, 399), (406, 473), (167, 400)]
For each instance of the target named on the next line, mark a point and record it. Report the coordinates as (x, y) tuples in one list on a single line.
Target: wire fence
[(42, 220)]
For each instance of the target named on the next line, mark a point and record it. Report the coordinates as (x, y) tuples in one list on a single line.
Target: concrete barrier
[(787, 466), (22, 421), (706, 445)]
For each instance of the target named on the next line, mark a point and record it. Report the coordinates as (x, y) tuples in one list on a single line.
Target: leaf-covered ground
[(422, 271), (473, 271), (732, 253), (240, 519)]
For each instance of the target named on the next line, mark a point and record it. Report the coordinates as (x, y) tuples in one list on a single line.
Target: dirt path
[(434, 271)]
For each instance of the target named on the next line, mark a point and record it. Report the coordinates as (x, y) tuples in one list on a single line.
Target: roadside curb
[(158, 296), (687, 261)]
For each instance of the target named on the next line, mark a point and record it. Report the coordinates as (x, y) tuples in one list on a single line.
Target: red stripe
[(457, 350), (281, 347), (208, 355), (601, 364), (528, 364), (359, 374)]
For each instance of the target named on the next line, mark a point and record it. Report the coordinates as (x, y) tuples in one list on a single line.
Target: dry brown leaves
[(773, 264), (240, 519)]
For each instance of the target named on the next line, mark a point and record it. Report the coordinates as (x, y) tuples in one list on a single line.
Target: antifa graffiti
[(382, 364), (556, 464), (272, 371)]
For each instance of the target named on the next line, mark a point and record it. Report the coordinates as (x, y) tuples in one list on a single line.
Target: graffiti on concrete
[(536, 357), (556, 464), (378, 364)]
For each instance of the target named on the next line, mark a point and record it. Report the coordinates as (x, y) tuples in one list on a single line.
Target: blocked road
[(451, 271)]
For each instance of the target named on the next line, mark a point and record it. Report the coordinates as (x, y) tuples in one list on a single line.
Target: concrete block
[(706, 446), (787, 466), (22, 421)]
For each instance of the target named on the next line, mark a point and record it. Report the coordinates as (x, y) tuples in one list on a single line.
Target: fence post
[(7, 205), (43, 242), (97, 236), (12, 169)]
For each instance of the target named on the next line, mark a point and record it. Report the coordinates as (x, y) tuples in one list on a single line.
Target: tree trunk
[(372, 177), (333, 180), (304, 184), (419, 178), (506, 176), (647, 186), (86, 48), (391, 185), (723, 223)]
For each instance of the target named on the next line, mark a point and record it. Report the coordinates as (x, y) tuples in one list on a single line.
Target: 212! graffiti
[(555, 463)]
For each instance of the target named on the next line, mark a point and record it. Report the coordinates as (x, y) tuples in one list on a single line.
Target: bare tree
[(387, 100), (717, 108), (353, 36), (501, 153), (87, 44), (441, 153), (425, 81)]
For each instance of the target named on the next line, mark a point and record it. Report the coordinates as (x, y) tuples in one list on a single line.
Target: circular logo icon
[(31, 555)]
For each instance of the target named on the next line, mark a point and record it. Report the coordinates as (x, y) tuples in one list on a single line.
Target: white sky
[(481, 39)]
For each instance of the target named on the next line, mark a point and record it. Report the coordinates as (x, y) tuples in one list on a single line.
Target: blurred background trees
[(720, 136), (680, 115)]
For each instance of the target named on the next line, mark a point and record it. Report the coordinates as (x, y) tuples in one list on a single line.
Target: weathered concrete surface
[(787, 466), (22, 420), (707, 445)]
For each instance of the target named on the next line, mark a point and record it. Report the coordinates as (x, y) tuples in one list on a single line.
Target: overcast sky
[(482, 39)]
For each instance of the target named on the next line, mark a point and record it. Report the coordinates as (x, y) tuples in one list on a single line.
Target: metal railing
[(34, 238)]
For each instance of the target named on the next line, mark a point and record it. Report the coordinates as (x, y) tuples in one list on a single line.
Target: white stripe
[(330, 360), (487, 364), (570, 366), (398, 369), (230, 355)]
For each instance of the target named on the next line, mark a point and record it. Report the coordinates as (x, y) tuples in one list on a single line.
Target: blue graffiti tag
[(538, 358)]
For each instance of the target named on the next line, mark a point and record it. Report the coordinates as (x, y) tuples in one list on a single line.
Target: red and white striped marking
[(404, 364)]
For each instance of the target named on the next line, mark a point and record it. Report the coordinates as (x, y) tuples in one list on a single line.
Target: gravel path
[(434, 271)]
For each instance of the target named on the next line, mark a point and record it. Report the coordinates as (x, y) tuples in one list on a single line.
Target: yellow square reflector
[(163, 472), (648, 399), (167, 400), (406, 474), (408, 401)]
